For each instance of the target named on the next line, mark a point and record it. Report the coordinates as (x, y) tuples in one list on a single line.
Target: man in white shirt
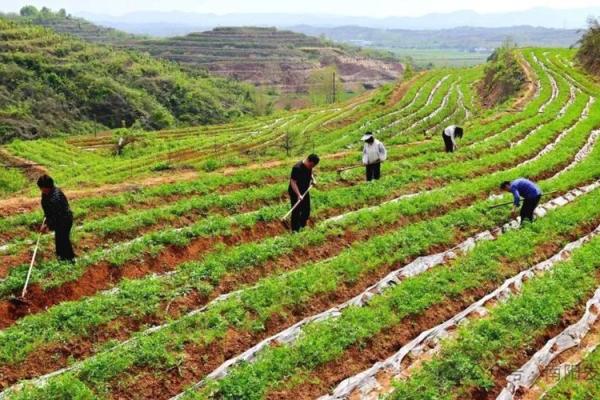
[(450, 134), (374, 153)]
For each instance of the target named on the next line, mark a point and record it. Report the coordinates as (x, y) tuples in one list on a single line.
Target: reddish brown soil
[(14, 205), (361, 356), (401, 90), (530, 88), (104, 276), (518, 357), (28, 168), (179, 306)]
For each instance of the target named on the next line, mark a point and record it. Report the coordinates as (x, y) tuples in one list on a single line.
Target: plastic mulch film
[(418, 266), (366, 386), (525, 377)]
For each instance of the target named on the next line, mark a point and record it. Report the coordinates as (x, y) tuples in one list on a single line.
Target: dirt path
[(22, 204), (530, 89), (31, 170)]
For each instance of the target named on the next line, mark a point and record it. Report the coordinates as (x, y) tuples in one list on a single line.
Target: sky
[(369, 8)]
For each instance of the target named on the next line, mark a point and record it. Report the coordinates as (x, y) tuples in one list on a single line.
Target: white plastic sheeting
[(560, 137), (525, 377), (552, 82), (365, 385), (291, 333), (583, 153), (418, 266), (429, 101), (429, 117)]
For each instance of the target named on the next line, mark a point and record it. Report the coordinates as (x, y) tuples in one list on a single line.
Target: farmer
[(529, 191), (374, 153), (450, 134), (59, 217), (300, 181)]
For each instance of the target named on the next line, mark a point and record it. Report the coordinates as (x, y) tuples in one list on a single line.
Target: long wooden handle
[(297, 204), (339, 171), (37, 245), (505, 204)]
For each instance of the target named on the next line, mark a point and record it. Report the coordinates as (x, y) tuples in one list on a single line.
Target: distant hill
[(268, 56), (62, 22), (262, 56), (462, 38), (177, 22), (52, 83)]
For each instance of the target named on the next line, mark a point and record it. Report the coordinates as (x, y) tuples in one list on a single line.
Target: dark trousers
[(62, 239), (448, 143), (529, 206), (301, 214), (373, 171)]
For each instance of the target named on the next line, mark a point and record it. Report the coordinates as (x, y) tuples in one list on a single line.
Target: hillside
[(51, 83), (503, 77), (268, 56), (588, 54), (462, 38), (62, 22), (421, 285), (263, 56)]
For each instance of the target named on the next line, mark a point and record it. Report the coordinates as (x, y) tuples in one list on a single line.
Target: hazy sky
[(375, 8)]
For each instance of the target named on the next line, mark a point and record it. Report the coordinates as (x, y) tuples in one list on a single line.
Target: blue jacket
[(524, 188)]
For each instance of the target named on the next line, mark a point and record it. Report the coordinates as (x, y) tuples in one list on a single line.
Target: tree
[(322, 85), (29, 11), (287, 143), (588, 54)]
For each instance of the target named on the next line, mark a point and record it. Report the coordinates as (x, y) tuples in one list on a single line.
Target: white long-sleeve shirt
[(449, 131), (374, 153)]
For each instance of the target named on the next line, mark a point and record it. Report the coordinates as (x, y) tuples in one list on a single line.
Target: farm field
[(187, 285), (442, 57)]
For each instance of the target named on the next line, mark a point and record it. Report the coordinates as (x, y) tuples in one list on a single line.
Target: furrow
[(374, 382), (525, 377), (416, 267)]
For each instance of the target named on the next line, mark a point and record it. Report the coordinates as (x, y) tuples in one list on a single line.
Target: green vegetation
[(466, 364), (503, 76), (191, 267), (282, 63), (588, 54), (57, 84), (61, 22)]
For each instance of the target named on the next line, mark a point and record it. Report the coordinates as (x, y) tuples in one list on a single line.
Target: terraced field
[(188, 287)]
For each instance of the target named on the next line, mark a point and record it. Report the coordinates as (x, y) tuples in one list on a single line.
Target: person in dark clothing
[(59, 217), (450, 134), (529, 191), (300, 180)]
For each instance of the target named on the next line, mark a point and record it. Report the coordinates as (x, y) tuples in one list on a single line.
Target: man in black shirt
[(59, 217), (300, 181)]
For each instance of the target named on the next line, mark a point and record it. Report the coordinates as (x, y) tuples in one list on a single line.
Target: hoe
[(284, 219), (342, 170), (510, 202), (19, 301)]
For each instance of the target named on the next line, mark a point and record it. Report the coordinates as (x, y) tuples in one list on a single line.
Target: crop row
[(492, 183), (230, 309)]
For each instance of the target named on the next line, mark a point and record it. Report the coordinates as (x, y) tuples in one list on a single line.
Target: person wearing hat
[(450, 134), (374, 153)]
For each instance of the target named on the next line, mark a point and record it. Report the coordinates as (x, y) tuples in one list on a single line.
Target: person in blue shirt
[(529, 191)]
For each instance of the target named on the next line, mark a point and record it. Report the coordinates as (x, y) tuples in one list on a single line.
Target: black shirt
[(302, 176), (56, 209)]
